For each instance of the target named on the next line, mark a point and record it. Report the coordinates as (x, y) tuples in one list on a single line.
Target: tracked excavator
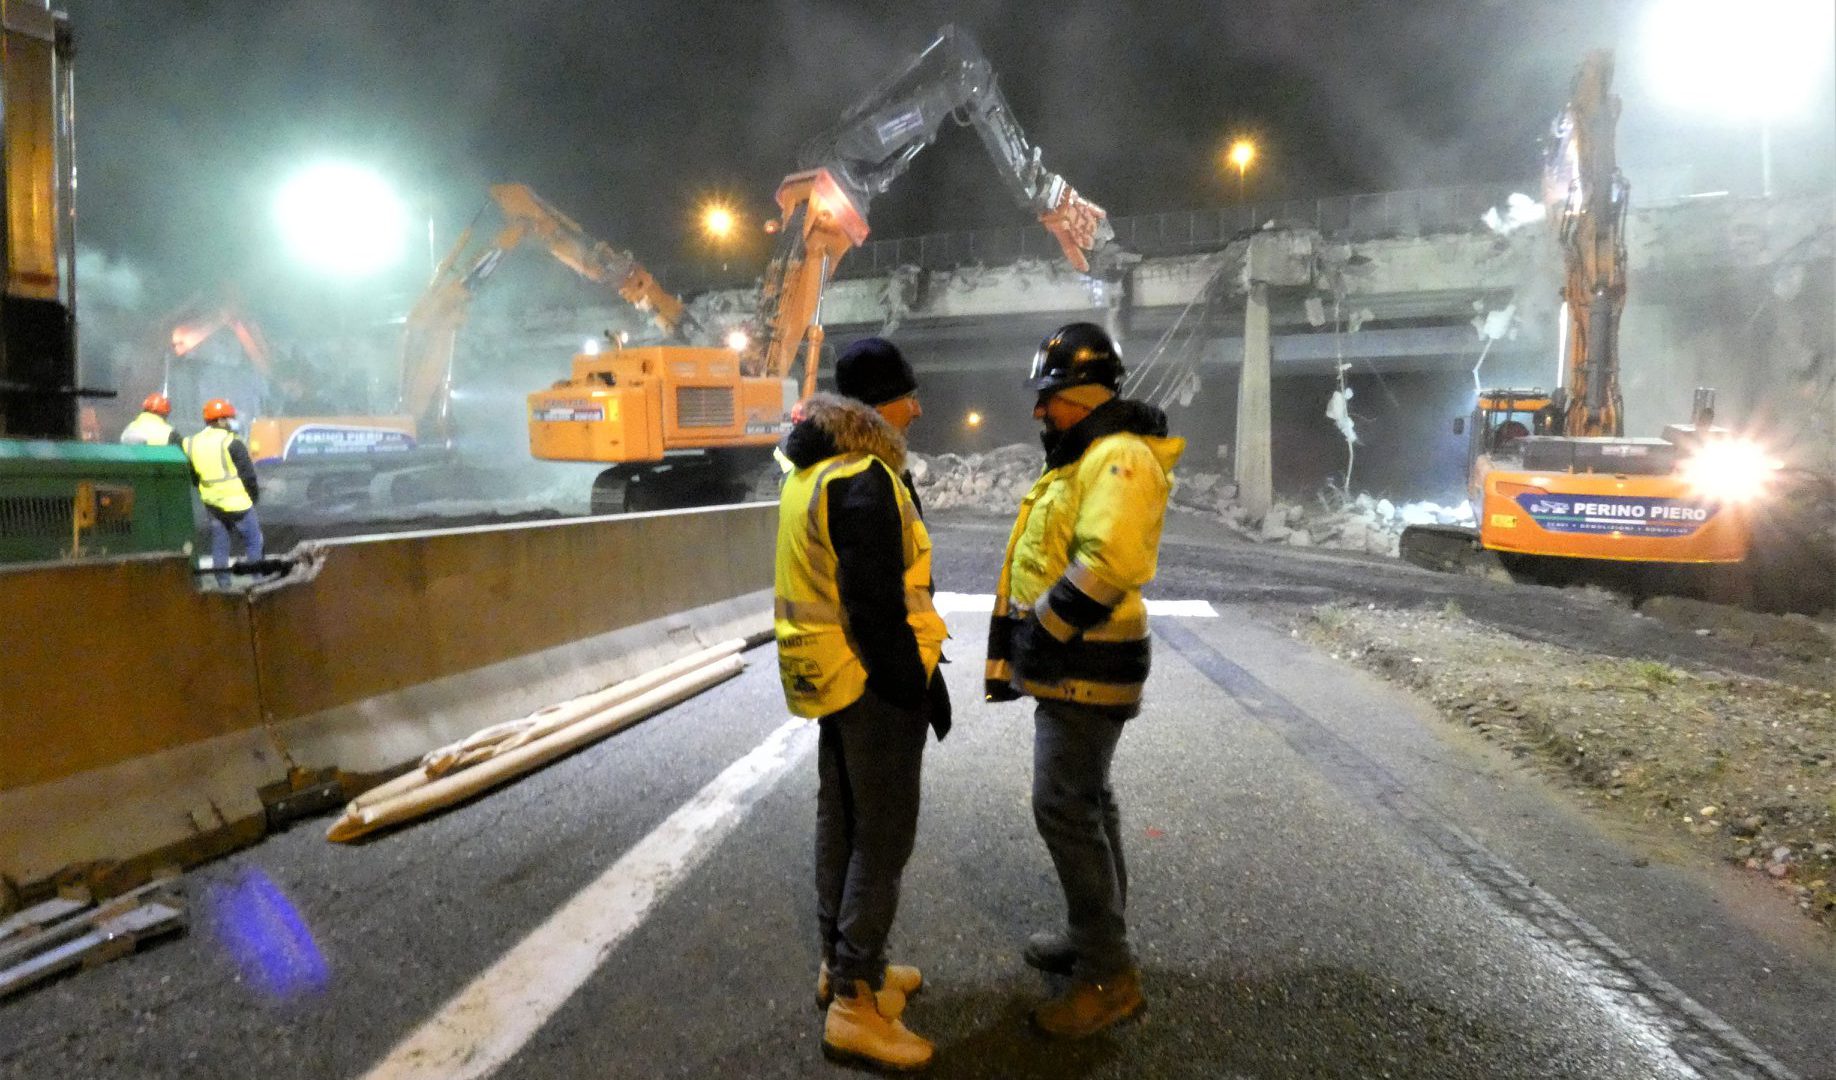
[(1553, 478), (686, 425), (344, 456)]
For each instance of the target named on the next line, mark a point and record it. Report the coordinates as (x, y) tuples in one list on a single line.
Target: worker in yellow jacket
[(225, 476), (1070, 630), (151, 427), (859, 643)]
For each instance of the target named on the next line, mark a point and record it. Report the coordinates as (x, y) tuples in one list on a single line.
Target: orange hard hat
[(218, 409), (157, 403)]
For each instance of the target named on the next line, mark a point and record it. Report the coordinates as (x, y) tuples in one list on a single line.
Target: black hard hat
[(1078, 354), (874, 372)]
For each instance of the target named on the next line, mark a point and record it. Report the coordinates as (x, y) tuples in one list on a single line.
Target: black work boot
[(1050, 952)]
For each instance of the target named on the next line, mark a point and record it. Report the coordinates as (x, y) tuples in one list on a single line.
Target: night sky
[(628, 113)]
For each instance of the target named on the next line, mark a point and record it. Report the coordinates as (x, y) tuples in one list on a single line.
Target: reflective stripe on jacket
[(818, 662), (219, 485), (1086, 540), (148, 429)]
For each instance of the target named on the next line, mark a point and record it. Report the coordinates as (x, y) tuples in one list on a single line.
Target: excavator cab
[(1503, 417)]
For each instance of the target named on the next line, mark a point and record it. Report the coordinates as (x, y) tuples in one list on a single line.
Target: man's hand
[(1038, 656)]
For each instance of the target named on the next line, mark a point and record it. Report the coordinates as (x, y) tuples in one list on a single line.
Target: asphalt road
[(1327, 882)]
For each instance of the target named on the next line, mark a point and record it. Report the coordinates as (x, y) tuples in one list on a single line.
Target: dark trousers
[(868, 762), (246, 526), (1078, 820)]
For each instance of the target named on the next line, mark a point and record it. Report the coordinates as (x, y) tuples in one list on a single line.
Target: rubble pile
[(994, 482), (1330, 520)]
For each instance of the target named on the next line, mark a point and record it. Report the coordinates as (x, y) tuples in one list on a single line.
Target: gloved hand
[(937, 705), (1038, 656), (994, 690)]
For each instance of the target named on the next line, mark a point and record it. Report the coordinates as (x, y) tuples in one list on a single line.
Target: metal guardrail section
[(1346, 217)]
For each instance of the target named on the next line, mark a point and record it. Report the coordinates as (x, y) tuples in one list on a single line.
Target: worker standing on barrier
[(853, 553), (1070, 630), (225, 476), (151, 428)]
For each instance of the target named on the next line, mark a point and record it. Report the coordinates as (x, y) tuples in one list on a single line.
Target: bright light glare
[(342, 220), (591, 348), (1242, 152), (737, 340), (1735, 471), (1756, 60), (717, 221), (974, 419)]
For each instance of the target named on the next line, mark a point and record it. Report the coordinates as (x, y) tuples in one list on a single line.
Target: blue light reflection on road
[(266, 935)]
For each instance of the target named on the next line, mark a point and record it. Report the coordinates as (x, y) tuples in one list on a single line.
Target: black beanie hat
[(874, 372)]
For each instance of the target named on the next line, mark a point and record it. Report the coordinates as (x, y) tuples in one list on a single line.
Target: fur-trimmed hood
[(833, 425)]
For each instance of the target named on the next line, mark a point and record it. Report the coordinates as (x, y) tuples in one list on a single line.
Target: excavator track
[(1450, 549)]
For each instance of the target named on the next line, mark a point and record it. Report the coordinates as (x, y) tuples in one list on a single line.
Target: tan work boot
[(901, 977), (1089, 1007), (864, 1027)]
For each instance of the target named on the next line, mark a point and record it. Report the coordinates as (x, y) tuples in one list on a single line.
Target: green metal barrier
[(62, 500)]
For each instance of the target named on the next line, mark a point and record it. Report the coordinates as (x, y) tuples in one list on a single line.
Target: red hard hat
[(217, 409), (157, 403)]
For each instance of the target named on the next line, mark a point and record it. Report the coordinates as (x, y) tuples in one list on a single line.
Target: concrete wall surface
[(140, 716)]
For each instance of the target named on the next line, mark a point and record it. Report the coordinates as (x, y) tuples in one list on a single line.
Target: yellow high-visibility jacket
[(821, 659), (1069, 623)]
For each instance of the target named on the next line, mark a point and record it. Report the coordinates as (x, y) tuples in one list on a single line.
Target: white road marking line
[(1186, 609), (487, 1023), (950, 603)]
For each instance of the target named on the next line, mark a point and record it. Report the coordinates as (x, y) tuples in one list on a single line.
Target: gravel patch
[(1743, 766)]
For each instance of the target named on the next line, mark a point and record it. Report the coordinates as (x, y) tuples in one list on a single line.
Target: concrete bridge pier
[(1253, 461)]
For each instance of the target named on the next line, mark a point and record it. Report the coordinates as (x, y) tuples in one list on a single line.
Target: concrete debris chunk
[(995, 481)]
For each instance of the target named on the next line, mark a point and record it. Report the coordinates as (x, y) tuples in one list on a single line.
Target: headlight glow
[(1737, 471)]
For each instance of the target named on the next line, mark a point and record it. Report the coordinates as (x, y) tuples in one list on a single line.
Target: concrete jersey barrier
[(140, 719)]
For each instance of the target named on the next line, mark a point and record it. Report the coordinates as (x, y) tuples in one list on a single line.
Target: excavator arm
[(825, 205), (1587, 196), (877, 139), (592, 259), (430, 335)]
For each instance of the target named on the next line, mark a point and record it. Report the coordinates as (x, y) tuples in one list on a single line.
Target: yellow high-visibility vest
[(817, 662), (219, 485), (147, 429)]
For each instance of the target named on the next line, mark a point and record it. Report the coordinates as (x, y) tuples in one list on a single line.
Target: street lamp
[(342, 220), (718, 223), (1242, 152), (1758, 61)]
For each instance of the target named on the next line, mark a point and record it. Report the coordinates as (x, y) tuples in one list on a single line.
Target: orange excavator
[(1552, 475), (346, 453), (684, 425)]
